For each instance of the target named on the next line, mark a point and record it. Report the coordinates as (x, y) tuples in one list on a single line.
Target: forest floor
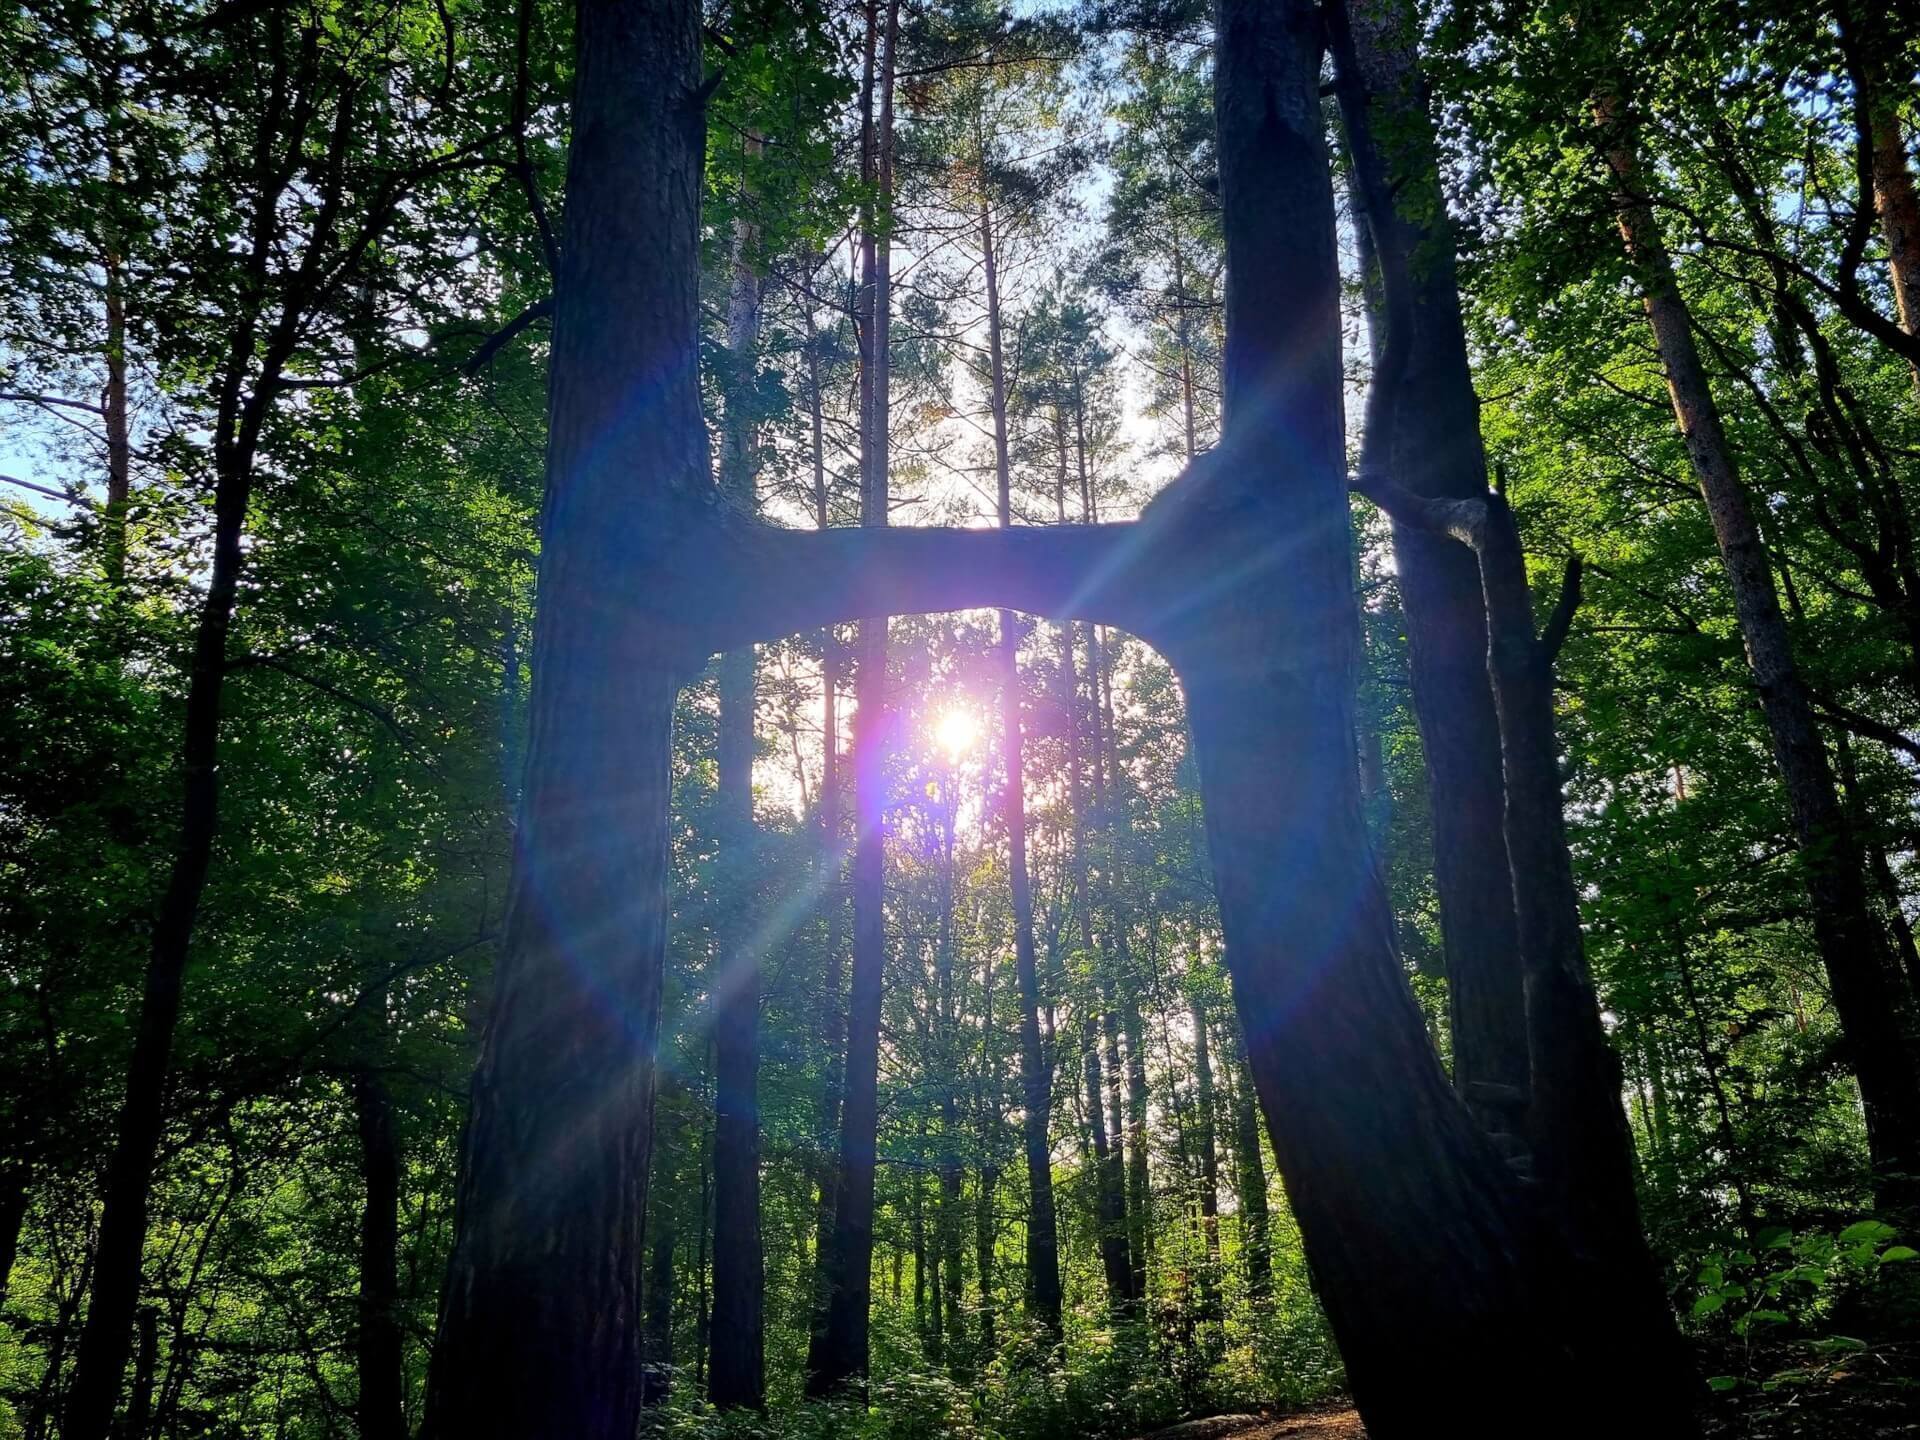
[(1328, 1424)]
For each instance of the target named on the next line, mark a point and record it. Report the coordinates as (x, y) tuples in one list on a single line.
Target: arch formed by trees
[(1441, 1283)]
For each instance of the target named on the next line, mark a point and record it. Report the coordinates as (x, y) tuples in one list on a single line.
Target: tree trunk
[(841, 1358), (1209, 1170), (1110, 1217), (382, 1407), (115, 415), (1433, 448), (107, 1335), (833, 898), (539, 1326), (1581, 1144), (948, 1288), (1870, 51), (736, 1364), (16, 1194), (1043, 1243), (657, 1339), (1379, 1155), (1876, 1013), (1139, 1179), (138, 1419), (1250, 1168)]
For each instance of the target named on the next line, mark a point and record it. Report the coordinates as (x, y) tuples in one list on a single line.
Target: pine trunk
[(539, 1328), (1433, 448), (1379, 1155), (382, 1406), (840, 1360), (736, 1363), (1043, 1244), (1875, 1011)]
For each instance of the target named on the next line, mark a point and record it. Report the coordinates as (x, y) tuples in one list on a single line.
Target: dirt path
[(1319, 1425)]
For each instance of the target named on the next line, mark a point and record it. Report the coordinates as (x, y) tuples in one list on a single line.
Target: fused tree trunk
[(736, 1363), (1433, 448), (1581, 1146), (1875, 1011), (381, 1407), (539, 1325), (1239, 573), (1324, 1005), (1043, 1244), (840, 1360)]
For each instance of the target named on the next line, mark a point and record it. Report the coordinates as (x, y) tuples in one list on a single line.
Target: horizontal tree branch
[(772, 582)]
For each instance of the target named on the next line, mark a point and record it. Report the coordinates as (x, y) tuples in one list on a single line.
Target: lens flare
[(955, 732)]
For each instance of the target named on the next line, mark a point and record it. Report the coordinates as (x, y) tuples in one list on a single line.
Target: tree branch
[(1554, 636), (1867, 727), (504, 336), (773, 582)]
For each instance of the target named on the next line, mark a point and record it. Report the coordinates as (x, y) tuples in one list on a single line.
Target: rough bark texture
[(15, 1195), (736, 1362), (539, 1326), (1581, 1146), (1433, 448), (1110, 1216), (1875, 1010), (1043, 1244), (1386, 1159), (657, 1328), (840, 1359), (1256, 1246), (1209, 1167), (381, 1406), (948, 1281), (1870, 48), (832, 888)]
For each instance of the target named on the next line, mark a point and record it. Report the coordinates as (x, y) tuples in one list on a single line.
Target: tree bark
[(1209, 1169), (736, 1363), (832, 883), (381, 1407), (15, 1195), (1433, 448), (1250, 1167), (1876, 1013), (1043, 1244), (841, 1359), (1868, 47), (656, 1379), (948, 1286), (539, 1327), (1386, 1157)]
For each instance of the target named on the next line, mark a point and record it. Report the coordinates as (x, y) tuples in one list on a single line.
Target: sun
[(955, 731)]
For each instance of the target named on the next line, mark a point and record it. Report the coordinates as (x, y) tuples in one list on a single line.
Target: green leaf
[(1831, 1344), (1895, 1253), (1873, 1232), (1723, 1382), (1709, 1303)]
